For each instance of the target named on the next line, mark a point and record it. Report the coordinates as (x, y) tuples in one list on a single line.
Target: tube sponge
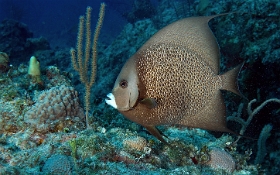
[(265, 133), (34, 70), (34, 67)]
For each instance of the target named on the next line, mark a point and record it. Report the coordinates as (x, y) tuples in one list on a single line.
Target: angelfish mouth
[(110, 100)]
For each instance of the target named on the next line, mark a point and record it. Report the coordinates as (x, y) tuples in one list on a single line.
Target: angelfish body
[(174, 79)]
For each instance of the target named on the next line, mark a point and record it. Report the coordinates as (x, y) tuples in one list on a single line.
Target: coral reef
[(4, 61), (13, 37), (142, 9), (18, 42), (42, 129)]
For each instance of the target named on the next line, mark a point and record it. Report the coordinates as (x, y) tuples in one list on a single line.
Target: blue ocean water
[(59, 19)]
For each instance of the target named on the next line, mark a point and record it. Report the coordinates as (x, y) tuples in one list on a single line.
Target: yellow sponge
[(34, 70)]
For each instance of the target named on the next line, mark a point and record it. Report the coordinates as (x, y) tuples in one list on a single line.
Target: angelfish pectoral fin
[(149, 102), (155, 132)]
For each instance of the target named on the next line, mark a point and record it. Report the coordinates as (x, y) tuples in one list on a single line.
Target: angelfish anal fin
[(155, 132)]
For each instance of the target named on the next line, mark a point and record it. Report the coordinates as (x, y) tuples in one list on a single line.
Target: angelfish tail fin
[(229, 80)]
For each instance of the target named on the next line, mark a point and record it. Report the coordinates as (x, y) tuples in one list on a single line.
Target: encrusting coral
[(56, 109)]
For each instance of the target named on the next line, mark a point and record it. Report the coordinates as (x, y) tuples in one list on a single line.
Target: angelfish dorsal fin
[(149, 102)]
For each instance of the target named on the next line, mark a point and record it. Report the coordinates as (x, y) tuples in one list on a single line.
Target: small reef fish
[(173, 79)]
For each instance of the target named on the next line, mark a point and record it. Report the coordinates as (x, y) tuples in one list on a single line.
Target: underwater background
[(42, 116)]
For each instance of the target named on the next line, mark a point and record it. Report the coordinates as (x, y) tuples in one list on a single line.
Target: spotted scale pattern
[(178, 78)]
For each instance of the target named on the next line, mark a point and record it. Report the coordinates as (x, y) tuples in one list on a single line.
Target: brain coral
[(56, 109), (58, 164), (136, 143), (220, 159)]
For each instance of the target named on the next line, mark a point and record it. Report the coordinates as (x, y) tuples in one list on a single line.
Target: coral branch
[(80, 60)]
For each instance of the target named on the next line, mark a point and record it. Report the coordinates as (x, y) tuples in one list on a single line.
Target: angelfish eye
[(123, 84)]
